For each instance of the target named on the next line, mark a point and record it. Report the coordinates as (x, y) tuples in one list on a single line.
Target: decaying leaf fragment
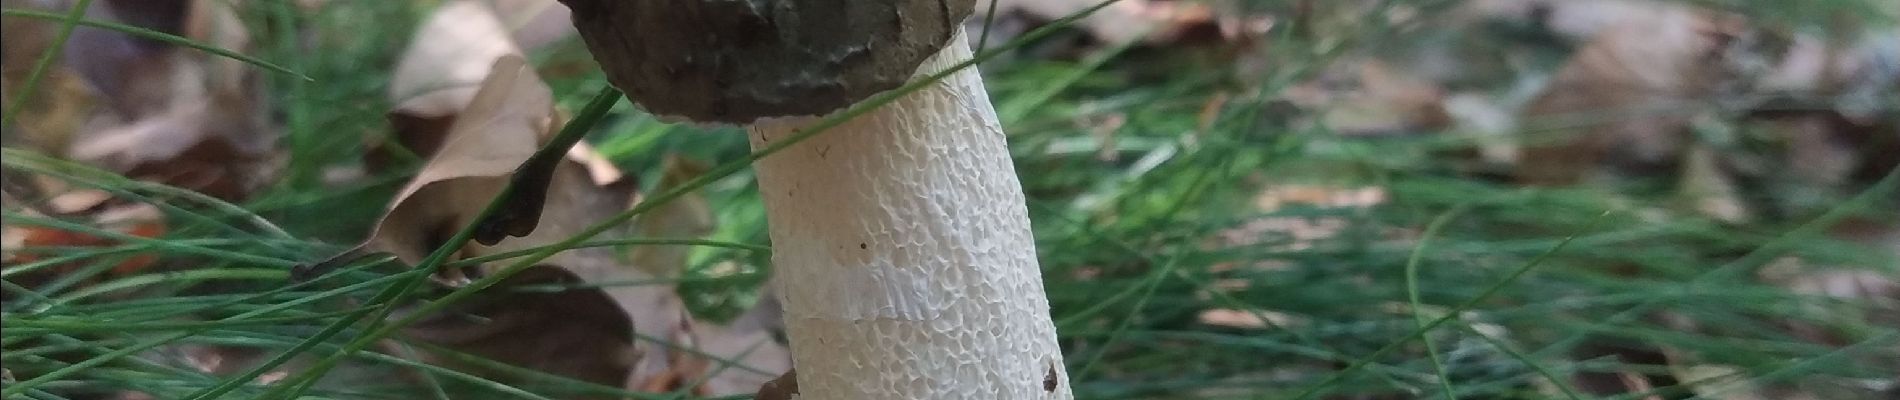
[(431, 86), (529, 321), (59, 105), (27, 243), (173, 115), (499, 130), (684, 217), (450, 56), (143, 108), (1376, 100), (580, 313), (700, 349), (1627, 97)]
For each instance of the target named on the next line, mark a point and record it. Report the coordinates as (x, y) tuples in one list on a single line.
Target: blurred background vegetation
[(1274, 199)]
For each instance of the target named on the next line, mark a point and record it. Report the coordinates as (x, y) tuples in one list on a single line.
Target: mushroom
[(900, 237)]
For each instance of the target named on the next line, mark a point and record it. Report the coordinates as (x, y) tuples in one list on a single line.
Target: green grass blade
[(67, 22), (154, 35), (1418, 306)]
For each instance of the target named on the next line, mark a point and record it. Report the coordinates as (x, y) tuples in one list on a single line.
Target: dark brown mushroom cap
[(736, 61)]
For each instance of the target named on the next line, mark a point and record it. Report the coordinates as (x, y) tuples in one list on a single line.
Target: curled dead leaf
[(498, 131), (480, 139), (1626, 99), (450, 55), (536, 319)]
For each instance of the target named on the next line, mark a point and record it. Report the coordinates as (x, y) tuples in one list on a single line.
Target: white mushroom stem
[(903, 253)]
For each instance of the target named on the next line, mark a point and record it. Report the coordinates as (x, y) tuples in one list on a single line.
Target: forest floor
[(1607, 199)]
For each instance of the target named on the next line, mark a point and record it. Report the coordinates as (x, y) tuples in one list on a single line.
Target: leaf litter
[(576, 316), (615, 323), (175, 116)]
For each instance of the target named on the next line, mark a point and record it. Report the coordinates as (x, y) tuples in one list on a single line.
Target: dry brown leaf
[(756, 355), (1418, 102), (140, 220), (1373, 99), (453, 47), (450, 55), (1874, 284), (1625, 100), (570, 332), (57, 109), (602, 170), (1708, 190), (686, 217), (1278, 197), (94, 208), (172, 115), (438, 75), (476, 138), (746, 341), (1245, 319), (60, 104), (785, 387), (500, 128), (1816, 153), (524, 321), (723, 360)]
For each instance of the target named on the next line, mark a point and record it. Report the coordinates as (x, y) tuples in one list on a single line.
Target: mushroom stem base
[(903, 252)]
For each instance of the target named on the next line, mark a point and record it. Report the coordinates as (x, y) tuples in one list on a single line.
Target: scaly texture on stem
[(904, 255)]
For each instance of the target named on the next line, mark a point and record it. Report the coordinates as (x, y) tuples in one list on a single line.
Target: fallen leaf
[(438, 75), (1370, 98), (688, 216), (571, 332), (430, 89), (757, 355), (785, 387), (1625, 100), (602, 170), (1244, 319), (1872, 283), (173, 115), (476, 140), (60, 104), (1419, 104), (1708, 190), (499, 129), (530, 321), (95, 209), (502, 126), (747, 340), (450, 55)]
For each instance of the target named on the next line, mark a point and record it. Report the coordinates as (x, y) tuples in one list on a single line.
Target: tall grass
[(1452, 287)]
